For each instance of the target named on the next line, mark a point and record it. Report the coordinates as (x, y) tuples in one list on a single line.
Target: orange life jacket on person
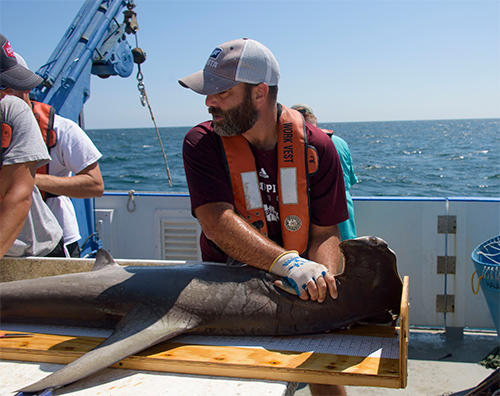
[(5, 143), (44, 114), (296, 161), (6, 139)]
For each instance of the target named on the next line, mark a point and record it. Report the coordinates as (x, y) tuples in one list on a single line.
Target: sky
[(351, 61)]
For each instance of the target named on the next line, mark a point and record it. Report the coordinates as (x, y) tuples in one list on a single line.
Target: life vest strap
[(295, 162), (45, 114), (6, 139)]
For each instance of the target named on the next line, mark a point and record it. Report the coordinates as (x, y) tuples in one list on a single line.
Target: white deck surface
[(119, 382)]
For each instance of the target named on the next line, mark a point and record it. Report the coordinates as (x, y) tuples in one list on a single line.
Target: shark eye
[(374, 240)]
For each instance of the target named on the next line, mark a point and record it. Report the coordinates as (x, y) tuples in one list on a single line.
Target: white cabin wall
[(137, 234), (482, 220), (409, 226)]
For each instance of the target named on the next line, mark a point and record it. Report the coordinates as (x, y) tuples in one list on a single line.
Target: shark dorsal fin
[(103, 260)]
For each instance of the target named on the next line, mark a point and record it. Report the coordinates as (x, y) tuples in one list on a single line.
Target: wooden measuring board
[(361, 356)]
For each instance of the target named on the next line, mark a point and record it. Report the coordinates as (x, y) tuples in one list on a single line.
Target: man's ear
[(259, 94)]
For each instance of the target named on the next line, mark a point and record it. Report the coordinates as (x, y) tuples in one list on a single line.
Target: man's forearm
[(86, 184), (244, 243), (324, 248), (236, 237)]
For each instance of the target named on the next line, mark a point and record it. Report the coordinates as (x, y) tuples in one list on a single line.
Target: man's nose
[(211, 101)]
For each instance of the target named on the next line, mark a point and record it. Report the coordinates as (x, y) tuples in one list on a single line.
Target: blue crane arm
[(95, 43)]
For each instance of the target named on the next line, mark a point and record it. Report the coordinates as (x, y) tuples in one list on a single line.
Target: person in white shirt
[(73, 172)]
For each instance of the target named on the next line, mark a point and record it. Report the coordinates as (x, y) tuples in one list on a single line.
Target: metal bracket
[(452, 265), (445, 303), (447, 224)]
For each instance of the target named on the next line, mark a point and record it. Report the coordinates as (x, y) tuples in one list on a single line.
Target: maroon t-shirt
[(209, 182)]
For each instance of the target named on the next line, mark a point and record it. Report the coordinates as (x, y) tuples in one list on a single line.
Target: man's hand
[(308, 278)]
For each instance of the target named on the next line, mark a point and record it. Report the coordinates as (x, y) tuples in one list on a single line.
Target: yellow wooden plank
[(404, 332), (225, 361), (317, 368), (46, 348)]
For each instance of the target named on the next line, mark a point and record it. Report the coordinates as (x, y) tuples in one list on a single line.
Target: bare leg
[(327, 390)]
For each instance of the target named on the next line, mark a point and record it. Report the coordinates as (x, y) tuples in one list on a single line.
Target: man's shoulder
[(336, 139), (199, 132), (204, 127), (63, 124), (12, 102), (316, 137), (19, 116), (69, 133), (339, 143), (9, 99)]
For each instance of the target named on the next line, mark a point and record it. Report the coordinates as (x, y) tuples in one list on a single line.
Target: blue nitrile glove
[(296, 270)]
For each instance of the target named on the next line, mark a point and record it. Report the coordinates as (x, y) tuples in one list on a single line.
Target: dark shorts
[(73, 249)]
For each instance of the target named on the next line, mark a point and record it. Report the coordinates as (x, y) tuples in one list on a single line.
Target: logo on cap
[(8, 50), (215, 53)]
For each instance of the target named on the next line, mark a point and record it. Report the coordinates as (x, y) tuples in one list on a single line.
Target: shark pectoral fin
[(138, 330), (278, 282), (283, 284)]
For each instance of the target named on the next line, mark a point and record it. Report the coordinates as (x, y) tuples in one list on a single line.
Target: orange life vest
[(6, 139), (296, 161), (44, 114)]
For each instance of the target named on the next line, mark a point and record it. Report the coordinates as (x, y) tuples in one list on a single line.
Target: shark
[(147, 305)]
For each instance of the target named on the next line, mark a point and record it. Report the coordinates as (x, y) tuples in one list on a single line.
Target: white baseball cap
[(242, 60)]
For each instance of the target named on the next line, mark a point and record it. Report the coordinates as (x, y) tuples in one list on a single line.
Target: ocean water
[(438, 158)]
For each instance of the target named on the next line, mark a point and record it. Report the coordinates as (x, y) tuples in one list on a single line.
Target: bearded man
[(266, 188)]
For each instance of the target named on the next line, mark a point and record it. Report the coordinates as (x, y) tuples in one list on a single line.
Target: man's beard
[(236, 120)]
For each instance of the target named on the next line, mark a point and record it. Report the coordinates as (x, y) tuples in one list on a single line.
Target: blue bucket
[(486, 259)]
